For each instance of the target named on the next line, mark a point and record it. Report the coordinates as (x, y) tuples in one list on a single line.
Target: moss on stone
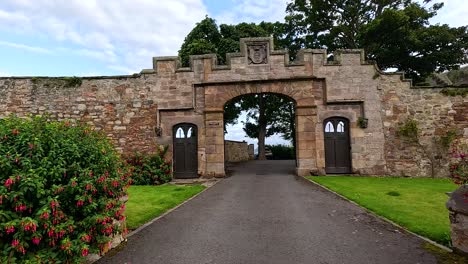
[(455, 91), (444, 257), (409, 130)]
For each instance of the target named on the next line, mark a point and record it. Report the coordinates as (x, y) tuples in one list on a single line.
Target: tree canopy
[(206, 37), (394, 33)]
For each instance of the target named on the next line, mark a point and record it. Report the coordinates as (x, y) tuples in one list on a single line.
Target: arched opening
[(337, 145), (266, 122), (185, 158)]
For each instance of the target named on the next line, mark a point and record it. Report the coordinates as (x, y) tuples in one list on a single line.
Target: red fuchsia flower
[(60, 234), (115, 184), (54, 204), (15, 132), (73, 184), (79, 203), (9, 182), (14, 243), (101, 179), (21, 249), (86, 238), (31, 145), (90, 174), (36, 240), (10, 229), (29, 227), (44, 215), (84, 252), (20, 208)]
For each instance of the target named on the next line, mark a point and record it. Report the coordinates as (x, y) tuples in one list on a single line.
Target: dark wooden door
[(337, 146), (185, 151)]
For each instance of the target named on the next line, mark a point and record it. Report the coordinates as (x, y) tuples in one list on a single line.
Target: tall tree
[(265, 119), (269, 114), (395, 33)]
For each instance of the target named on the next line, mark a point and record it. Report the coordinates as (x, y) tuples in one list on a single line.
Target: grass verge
[(147, 202), (416, 204)]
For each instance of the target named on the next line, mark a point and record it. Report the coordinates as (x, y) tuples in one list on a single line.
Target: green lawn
[(147, 202), (417, 204)]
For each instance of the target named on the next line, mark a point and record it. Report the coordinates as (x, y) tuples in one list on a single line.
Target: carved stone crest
[(257, 53)]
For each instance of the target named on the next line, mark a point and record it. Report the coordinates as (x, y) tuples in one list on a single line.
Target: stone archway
[(300, 90)]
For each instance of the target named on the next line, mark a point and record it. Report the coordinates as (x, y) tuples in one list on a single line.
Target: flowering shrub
[(150, 169), (60, 190), (459, 166)]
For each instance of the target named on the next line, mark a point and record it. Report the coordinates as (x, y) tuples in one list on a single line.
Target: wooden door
[(337, 146), (185, 151)]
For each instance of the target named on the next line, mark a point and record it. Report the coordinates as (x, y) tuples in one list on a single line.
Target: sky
[(96, 37)]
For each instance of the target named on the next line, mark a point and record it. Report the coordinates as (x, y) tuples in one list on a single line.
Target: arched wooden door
[(185, 151), (337, 145)]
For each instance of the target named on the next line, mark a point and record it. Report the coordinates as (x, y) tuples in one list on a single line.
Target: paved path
[(262, 214)]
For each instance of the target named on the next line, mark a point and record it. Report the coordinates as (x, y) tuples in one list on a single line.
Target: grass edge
[(143, 226)]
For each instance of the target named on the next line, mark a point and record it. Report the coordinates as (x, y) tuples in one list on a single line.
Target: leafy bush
[(61, 185), (282, 152), (150, 169), (459, 165)]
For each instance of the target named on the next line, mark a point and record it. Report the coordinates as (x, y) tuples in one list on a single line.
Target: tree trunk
[(261, 127)]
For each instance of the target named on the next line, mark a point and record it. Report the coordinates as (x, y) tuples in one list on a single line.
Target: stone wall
[(139, 111), (236, 151), (123, 107), (435, 113)]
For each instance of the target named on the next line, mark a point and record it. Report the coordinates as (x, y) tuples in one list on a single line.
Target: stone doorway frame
[(300, 90)]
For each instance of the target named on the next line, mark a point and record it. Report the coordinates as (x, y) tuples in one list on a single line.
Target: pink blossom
[(15, 243), (36, 240), (9, 182), (10, 229)]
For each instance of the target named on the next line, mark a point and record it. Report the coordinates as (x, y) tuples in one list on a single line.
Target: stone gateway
[(347, 111)]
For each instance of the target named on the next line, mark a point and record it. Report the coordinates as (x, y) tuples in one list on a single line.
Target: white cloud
[(253, 11), (107, 30), (454, 13), (24, 47)]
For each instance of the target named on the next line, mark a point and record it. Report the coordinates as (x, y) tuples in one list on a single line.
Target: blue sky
[(96, 37)]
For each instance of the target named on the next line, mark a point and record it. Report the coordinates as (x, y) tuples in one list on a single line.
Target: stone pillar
[(214, 142), (251, 150), (458, 214), (306, 118)]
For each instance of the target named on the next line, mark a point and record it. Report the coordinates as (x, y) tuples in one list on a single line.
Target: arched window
[(329, 127), (340, 128), (180, 133), (189, 132)]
